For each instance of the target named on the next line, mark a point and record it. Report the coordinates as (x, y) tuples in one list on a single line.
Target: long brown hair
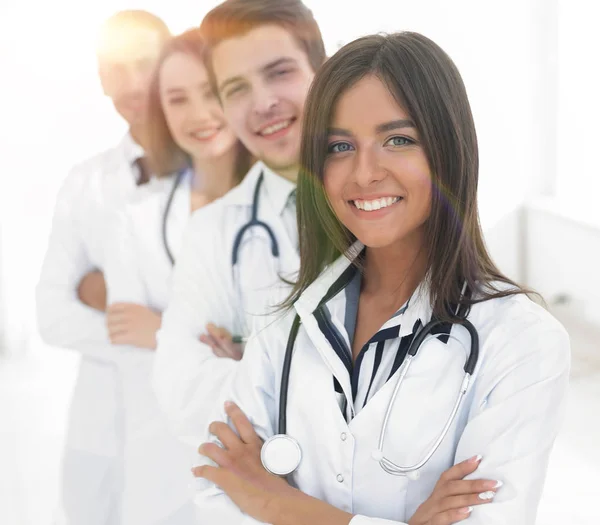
[(165, 156), (426, 83)]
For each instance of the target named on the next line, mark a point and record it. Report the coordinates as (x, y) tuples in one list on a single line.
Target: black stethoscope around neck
[(281, 454), (237, 242), (254, 222), (176, 183)]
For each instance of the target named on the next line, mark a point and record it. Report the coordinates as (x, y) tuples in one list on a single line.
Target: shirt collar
[(131, 149), (310, 299), (417, 308), (278, 190), (275, 188)]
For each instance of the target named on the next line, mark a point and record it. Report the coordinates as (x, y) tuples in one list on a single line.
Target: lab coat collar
[(130, 148), (131, 152), (417, 308), (310, 299), (243, 193), (277, 188)]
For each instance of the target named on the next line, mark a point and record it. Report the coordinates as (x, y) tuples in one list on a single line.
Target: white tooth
[(205, 134), (383, 202), (368, 206), (359, 205), (376, 204), (389, 201), (276, 127)]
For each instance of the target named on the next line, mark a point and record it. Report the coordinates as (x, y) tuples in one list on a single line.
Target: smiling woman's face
[(193, 113), (376, 174)]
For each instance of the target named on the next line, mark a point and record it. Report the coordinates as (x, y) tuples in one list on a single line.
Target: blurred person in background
[(71, 293), (196, 158), (262, 57)]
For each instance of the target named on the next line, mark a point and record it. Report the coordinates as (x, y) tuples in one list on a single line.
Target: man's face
[(263, 79), (126, 61)]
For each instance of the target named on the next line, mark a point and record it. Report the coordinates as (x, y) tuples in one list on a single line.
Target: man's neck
[(290, 173), (139, 136)]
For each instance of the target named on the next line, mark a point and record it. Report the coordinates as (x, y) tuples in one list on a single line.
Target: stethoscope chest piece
[(281, 455)]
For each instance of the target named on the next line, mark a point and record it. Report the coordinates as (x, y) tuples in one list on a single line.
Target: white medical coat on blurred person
[(188, 377), (138, 270), (92, 480)]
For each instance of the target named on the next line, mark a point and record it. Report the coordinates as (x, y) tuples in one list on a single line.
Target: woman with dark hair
[(407, 379), (196, 159)]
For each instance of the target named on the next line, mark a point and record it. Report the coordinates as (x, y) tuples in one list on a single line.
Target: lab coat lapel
[(306, 306), (244, 196), (288, 256), (257, 268)]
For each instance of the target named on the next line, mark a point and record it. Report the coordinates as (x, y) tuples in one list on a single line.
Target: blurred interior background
[(530, 67)]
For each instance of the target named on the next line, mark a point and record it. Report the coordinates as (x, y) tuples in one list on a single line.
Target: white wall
[(54, 115), (563, 257), (579, 103), (507, 55)]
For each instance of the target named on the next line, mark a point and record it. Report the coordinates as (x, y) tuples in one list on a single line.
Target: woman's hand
[(240, 455), (221, 342), (132, 324), (453, 497), (256, 492)]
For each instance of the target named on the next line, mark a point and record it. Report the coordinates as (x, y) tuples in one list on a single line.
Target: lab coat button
[(343, 436), (340, 478)]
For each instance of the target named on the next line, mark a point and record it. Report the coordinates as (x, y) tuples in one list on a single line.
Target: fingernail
[(466, 510), (476, 459), (228, 404), (489, 485), (487, 495)]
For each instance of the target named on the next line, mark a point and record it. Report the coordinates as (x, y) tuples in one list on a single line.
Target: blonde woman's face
[(192, 112)]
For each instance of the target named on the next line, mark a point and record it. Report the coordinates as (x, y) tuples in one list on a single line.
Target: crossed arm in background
[(127, 323), (134, 324)]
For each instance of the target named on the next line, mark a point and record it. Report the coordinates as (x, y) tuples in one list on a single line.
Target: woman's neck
[(215, 176), (397, 270)]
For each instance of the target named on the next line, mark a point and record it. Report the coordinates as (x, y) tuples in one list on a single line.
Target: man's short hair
[(234, 18)]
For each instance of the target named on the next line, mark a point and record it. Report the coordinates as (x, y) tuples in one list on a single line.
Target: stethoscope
[(237, 243), (180, 175), (281, 454)]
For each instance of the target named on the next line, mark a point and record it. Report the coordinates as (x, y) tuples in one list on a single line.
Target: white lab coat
[(510, 416), (92, 481), (187, 375), (157, 474)]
